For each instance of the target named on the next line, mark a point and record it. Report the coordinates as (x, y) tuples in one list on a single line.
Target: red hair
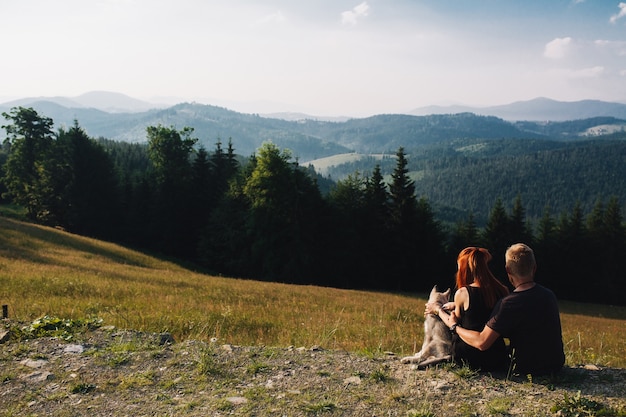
[(472, 263)]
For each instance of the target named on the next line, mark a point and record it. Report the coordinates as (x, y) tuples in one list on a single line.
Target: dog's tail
[(434, 361)]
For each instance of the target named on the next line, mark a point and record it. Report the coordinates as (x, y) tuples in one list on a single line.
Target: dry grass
[(47, 271)]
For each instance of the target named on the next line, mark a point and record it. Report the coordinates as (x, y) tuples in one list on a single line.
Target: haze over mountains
[(119, 117), (538, 109), (100, 100)]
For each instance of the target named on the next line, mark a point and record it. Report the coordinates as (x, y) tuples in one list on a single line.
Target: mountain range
[(538, 109), (122, 118), (462, 160), (101, 100)]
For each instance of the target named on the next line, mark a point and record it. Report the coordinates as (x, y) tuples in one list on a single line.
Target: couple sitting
[(484, 312)]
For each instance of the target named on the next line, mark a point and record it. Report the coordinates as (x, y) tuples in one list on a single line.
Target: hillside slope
[(114, 372)]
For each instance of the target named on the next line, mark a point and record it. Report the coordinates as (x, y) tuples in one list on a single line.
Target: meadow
[(44, 271)]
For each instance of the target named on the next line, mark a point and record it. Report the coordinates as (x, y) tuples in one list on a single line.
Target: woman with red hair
[(478, 290)]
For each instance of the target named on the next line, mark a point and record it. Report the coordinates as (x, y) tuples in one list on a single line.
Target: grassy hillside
[(48, 271)]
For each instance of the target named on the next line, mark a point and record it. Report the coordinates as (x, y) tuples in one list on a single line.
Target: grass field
[(45, 271)]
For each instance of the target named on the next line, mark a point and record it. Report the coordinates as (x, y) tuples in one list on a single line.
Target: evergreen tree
[(547, 252), (465, 234), (572, 241), (403, 204), (496, 238), (170, 153), (410, 263), (607, 244), (518, 229), (430, 257), (90, 199), (377, 197), (202, 199), (27, 172), (280, 198), (350, 223), (375, 231), (225, 244)]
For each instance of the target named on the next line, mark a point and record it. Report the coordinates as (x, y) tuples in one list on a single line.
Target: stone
[(39, 376), (74, 349), (237, 400), (354, 380), (34, 363)]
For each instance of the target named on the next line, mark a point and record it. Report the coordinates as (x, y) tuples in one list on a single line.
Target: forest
[(266, 217)]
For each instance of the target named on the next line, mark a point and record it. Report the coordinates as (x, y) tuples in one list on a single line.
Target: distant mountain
[(297, 117), (100, 100), (307, 138), (539, 109), (29, 101), (114, 102)]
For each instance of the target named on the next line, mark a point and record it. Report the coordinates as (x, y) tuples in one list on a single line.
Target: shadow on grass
[(26, 240)]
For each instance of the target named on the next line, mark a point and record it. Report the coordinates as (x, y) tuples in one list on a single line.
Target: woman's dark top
[(474, 318)]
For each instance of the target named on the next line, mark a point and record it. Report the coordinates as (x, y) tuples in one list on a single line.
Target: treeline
[(264, 217), (469, 175)]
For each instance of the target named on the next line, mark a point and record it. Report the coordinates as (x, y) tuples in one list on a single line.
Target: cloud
[(557, 48), (580, 74), (350, 17), (617, 48), (592, 72), (622, 13), (273, 18)]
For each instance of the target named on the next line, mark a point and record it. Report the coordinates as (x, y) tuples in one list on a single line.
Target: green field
[(44, 271)]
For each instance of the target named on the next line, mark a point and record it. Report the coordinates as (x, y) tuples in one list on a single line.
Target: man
[(528, 317)]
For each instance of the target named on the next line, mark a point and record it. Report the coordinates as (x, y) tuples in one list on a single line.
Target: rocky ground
[(112, 372)]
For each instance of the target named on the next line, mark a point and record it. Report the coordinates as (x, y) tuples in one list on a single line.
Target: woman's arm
[(461, 301), (480, 340)]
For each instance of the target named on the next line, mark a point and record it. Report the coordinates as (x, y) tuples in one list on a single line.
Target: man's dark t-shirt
[(530, 320)]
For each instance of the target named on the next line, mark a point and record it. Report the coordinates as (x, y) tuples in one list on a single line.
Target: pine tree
[(518, 229), (613, 244), (403, 204), (90, 201), (496, 238)]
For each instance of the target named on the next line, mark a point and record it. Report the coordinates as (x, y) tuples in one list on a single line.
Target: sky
[(321, 57)]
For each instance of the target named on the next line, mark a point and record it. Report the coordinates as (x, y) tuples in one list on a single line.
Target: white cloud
[(622, 13), (582, 73), (350, 17), (557, 48), (617, 48), (274, 18), (592, 72)]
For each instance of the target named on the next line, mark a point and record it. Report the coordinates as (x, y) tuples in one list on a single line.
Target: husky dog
[(437, 346)]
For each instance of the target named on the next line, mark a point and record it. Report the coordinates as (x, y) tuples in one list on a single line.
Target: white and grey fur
[(437, 346)]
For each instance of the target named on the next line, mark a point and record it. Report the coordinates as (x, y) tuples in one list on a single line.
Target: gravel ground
[(113, 372)]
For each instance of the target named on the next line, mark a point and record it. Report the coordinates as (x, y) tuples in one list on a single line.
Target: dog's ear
[(434, 290), (447, 294)]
